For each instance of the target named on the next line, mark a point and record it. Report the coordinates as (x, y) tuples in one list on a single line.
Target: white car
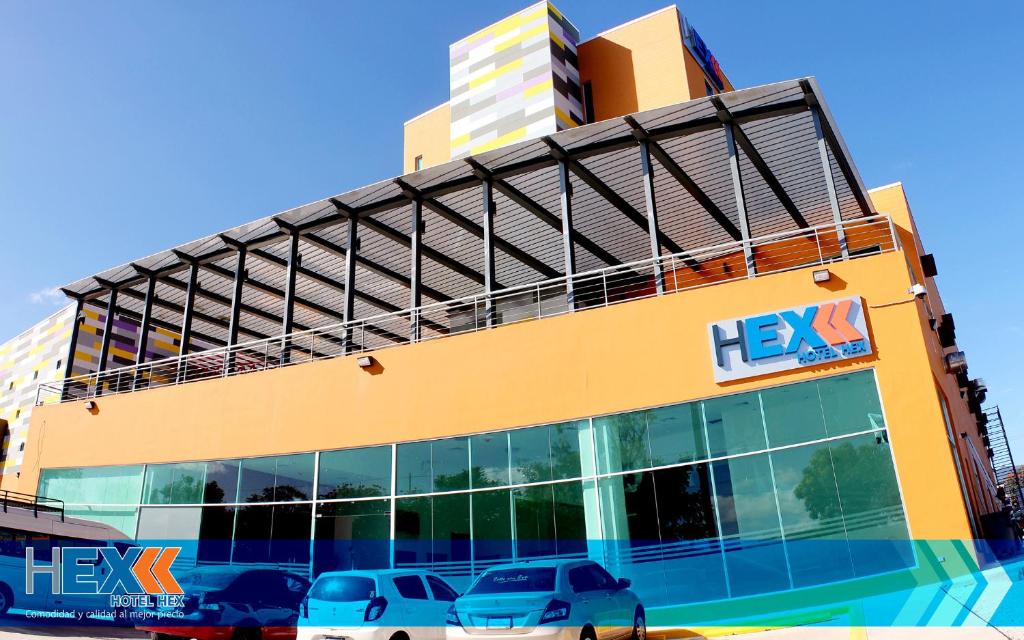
[(375, 605), (553, 600)]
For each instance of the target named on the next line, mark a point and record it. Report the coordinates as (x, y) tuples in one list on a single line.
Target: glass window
[(530, 449), (276, 478), (178, 483), (451, 528), (252, 534), (565, 450), (93, 485), (792, 414), (343, 589), (812, 516), (179, 524), (414, 532), (850, 403), (450, 461), (868, 491), (221, 481), (216, 530), (750, 525), (440, 589), (622, 442), (355, 473), (535, 521), (492, 525), (352, 535), (414, 470), (411, 587), (686, 519), (676, 434), (734, 425), (490, 460), (124, 519), (570, 520), (289, 536)]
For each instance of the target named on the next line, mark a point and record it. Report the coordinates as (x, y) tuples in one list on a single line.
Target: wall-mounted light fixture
[(90, 406), (821, 275), (365, 361)]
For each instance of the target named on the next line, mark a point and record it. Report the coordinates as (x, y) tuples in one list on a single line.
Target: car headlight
[(556, 610), (452, 617)]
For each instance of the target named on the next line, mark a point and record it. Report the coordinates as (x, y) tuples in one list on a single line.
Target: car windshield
[(343, 589), (515, 580), (218, 579)]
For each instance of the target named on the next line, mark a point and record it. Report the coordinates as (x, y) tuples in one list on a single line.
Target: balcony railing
[(728, 262)]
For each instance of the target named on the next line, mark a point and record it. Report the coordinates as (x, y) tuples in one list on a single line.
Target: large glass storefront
[(749, 493)]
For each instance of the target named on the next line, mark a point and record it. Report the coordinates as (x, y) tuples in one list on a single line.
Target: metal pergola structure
[(666, 181)]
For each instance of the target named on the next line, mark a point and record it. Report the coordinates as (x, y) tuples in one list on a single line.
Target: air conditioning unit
[(956, 362), (946, 331), (928, 266)]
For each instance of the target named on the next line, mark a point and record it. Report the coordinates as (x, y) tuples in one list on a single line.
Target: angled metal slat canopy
[(665, 181)]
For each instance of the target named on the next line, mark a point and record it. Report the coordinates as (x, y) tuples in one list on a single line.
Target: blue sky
[(129, 127)]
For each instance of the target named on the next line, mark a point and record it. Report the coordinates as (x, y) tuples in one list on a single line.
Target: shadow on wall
[(614, 92)]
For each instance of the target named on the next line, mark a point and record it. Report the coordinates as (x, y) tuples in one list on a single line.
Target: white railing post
[(817, 242), (604, 286), (892, 234)]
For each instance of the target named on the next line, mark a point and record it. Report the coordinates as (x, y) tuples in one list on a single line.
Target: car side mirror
[(623, 583)]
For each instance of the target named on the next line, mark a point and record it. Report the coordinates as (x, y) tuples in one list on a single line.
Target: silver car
[(556, 599)]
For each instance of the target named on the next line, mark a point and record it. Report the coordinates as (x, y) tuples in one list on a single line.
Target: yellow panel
[(491, 75)]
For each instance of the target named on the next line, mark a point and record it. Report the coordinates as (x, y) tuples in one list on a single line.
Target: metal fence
[(813, 246)]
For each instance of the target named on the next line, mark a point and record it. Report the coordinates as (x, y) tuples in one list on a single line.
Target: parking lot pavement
[(884, 633)]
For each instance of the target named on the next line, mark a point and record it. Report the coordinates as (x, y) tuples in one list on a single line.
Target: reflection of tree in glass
[(283, 493), (183, 489), (565, 451), (349, 490), (459, 481), (629, 432), (213, 493), (688, 515), (862, 474)]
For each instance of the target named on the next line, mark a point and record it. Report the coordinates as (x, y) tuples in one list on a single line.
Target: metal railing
[(30, 501), (813, 246)]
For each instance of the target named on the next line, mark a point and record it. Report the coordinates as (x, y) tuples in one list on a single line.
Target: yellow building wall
[(892, 200), (640, 65), (638, 354), (428, 135)]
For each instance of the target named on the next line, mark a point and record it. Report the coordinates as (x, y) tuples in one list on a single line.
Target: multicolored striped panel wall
[(40, 355), (514, 80), (35, 356)]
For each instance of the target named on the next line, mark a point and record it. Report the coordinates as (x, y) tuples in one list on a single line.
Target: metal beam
[(688, 183), (553, 221), (188, 311), (399, 237), (147, 321), (490, 311), (236, 296), (608, 193), (568, 233), (351, 248), (365, 263), (652, 216), (847, 169), (108, 329), (77, 321), (759, 164), (741, 203), (288, 315), (415, 268), (833, 199)]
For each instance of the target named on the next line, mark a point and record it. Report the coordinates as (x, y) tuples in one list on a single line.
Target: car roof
[(546, 564), (375, 573)]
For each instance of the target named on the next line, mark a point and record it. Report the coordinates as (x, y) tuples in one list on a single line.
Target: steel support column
[(142, 342), (415, 269), (741, 204), (568, 239), (288, 316), (652, 216), (108, 328), (490, 311), (826, 166), (187, 313), (77, 321), (236, 309), (351, 249)]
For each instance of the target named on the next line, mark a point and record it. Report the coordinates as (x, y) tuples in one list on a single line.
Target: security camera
[(918, 290)]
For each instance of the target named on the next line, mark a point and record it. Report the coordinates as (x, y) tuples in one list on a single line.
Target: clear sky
[(129, 127)]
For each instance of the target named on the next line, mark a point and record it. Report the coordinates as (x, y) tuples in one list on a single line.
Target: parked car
[(235, 603), (558, 600), (390, 604)]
